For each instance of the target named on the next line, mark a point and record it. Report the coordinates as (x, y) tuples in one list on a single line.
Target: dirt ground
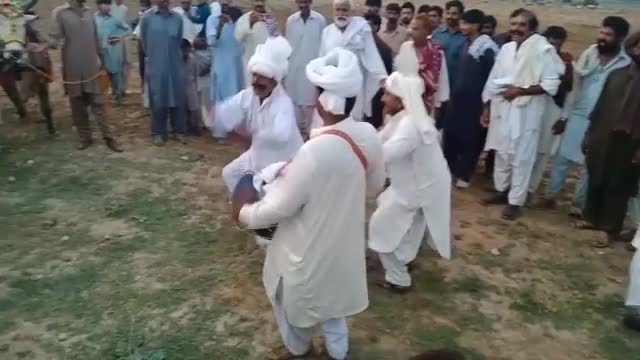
[(131, 256)]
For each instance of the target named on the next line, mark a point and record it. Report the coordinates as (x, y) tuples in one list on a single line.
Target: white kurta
[(420, 181), (514, 130), (318, 251), (304, 38), (189, 30), (271, 125), (358, 38), (250, 37)]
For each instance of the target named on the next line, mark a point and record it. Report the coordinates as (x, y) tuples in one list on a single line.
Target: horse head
[(12, 35)]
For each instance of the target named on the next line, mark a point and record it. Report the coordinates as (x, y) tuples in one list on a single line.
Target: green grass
[(154, 293)]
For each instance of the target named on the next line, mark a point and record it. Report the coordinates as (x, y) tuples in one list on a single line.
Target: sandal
[(601, 244)]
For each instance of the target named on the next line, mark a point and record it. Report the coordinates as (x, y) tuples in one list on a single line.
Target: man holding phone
[(253, 29), (227, 76)]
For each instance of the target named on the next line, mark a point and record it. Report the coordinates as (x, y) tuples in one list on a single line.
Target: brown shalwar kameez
[(81, 63), (612, 140)]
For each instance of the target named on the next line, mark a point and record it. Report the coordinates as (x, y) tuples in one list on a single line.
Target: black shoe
[(497, 198), (395, 288), (632, 322), (113, 145), (84, 144), (511, 212)]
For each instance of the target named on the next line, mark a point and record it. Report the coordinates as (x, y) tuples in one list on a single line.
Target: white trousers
[(204, 96), (235, 170), (395, 263), (633, 292), (538, 172), (304, 117), (298, 340), (513, 171)]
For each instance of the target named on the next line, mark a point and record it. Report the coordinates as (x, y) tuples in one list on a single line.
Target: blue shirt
[(589, 92), (112, 54), (452, 43)]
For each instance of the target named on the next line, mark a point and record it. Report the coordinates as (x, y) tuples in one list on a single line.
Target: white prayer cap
[(409, 88), (338, 74), (271, 59)]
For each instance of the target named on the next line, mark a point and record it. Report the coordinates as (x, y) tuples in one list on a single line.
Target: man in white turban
[(353, 33), (264, 112), (418, 200), (315, 273)]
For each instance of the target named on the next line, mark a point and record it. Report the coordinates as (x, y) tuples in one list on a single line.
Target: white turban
[(338, 74), (409, 88), (271, 59)]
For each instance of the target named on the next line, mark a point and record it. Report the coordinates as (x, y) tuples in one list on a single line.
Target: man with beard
[(590, 73), (81, 63), (463, 134), (611, 147), (525, 73), (392, 33), (264, 112), (304, 32), (253, 29), (354, 34), (315, 270), (406, 14)]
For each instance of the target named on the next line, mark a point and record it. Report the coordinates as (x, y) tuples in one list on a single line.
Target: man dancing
[(264, 112), (315, 272)]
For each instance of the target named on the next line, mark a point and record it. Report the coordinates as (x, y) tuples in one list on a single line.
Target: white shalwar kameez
[(315, 272), (271, 124), (358, 38), (514, 130), (419, 197), (304, 37), (633, 292), (250, 37)]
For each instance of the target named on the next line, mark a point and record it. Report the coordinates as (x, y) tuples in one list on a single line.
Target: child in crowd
[(195, 66)]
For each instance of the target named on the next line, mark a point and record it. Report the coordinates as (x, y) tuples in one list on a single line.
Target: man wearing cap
[(264, 112), (315, 273), (418, 199)]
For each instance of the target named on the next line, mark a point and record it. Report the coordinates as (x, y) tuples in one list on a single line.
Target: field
[(132, 257)]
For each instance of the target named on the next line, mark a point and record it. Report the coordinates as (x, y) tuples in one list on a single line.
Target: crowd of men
[(400, 107)]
